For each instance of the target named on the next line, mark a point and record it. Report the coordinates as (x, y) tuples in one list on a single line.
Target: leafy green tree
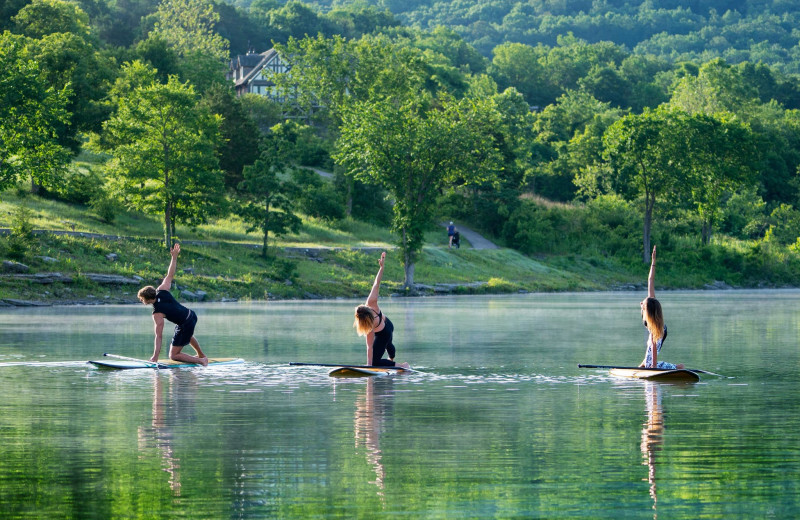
[(189, 28), (43, 17), (31, 110), (240, 135), (414, 147), (721, 156), (645, 153), (163, 145), (268, 200)]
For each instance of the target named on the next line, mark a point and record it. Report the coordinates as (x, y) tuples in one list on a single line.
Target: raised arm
[(166, 284), (651, 279), (372, 299)]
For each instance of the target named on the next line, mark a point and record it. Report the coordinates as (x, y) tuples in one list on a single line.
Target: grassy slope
[(233, 268)]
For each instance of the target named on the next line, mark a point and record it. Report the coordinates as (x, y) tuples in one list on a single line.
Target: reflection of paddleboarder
[(368, 426), (371, 322), (652, 435), (166, 306)]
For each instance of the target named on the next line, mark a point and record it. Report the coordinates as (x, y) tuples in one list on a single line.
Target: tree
[(163, 144), (239, 132), (43, 17), (644, 153), (721, 156), (30, 112), (268, 201), (188, 27), (414, 147)]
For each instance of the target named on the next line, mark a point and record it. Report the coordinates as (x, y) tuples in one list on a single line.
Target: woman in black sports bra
[(371, 322)]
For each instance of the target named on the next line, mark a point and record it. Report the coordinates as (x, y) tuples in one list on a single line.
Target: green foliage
[(163, 144), (268, 200), (317, 197), (31, 111), (447, 141), (784, 226), (20, 240)]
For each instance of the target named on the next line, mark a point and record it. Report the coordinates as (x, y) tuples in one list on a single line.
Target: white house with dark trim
[(251, 73)]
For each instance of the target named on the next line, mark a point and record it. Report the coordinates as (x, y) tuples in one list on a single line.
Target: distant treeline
[(569, 143)]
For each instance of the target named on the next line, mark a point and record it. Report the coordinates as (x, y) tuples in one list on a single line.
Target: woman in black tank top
[(377, 328)]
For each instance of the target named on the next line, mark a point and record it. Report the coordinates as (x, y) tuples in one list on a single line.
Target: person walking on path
[(653, 320), (377, 328), (165, 306), (451, 231)]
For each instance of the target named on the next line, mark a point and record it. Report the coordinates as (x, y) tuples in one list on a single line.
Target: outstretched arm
[(173, 265), (372, 299), (651, 279), (158, 320)]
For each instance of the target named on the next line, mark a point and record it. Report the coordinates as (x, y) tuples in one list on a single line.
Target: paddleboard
[(656, 375), (124, 364), (365, 371)]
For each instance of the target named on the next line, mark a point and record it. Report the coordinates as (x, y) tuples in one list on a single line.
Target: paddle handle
[(145, 361)]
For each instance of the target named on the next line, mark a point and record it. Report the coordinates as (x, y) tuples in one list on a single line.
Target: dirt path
[(475, 239)]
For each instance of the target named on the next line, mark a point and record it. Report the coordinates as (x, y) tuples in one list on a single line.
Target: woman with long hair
[(377, 328), (653, 320)]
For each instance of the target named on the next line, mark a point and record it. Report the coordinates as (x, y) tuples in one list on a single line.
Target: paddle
[(146, 362), (642, 368), (342, 366)]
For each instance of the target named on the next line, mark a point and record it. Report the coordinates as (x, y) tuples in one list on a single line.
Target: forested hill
[(765, 31)]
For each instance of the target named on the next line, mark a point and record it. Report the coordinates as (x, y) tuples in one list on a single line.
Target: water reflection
[(652, 436), (172, 398), (373, 409)]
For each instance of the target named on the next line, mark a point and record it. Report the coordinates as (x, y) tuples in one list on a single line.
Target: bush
[(21, 238), (317, 197), (78, 186)]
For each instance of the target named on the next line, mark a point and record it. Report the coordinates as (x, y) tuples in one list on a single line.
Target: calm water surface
[(498, 423)]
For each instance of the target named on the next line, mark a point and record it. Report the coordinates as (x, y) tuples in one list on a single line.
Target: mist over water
[(497, 422)]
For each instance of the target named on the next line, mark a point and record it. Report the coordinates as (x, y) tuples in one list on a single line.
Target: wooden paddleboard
[(123, 364), (365, 371), (656, 375)]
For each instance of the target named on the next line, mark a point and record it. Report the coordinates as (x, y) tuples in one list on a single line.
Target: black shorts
[(184, 331)]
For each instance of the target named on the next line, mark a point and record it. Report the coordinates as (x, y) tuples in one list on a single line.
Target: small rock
[(47, 259), (201, 295), (112, 256), (287, 282), (137, 278), (14, 267), (188, 270), (188, 295)]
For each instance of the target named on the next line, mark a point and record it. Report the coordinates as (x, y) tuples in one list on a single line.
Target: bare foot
[(680, 365), (204, 361)]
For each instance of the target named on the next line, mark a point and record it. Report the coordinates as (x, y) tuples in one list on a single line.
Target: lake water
[(497, 423)]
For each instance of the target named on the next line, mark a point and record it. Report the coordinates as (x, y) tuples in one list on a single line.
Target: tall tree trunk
[(649, 202), (350, 187), (706, 231), (266, 230), (168, 225), (408, 268)]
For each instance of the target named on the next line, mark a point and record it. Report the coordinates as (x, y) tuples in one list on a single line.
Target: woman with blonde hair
[(653, 320), (377, 328)]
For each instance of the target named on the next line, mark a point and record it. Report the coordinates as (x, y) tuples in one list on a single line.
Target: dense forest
[(558, 128)]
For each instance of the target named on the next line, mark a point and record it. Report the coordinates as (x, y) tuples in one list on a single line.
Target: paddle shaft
[(643, 368), (147, 362)]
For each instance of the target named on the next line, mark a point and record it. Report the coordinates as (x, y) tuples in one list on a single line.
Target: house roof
[(263, 59)]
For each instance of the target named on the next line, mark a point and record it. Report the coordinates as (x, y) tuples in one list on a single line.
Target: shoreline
[(11, 303)]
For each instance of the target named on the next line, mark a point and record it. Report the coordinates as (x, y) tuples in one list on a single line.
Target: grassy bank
[(329, 261)]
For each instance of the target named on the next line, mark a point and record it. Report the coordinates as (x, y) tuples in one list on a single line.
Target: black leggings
[(383, 343)]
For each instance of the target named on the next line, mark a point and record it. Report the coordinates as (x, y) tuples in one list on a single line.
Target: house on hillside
[(251, 73)]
